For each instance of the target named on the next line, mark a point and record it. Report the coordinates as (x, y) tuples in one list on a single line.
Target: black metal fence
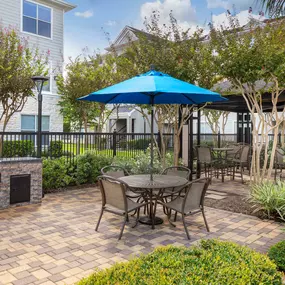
[(69, 145), (57, 144)]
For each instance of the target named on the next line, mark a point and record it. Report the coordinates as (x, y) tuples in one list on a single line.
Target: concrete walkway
[(55, 243)]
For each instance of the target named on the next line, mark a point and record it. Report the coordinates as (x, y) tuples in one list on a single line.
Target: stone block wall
[(20, 166)]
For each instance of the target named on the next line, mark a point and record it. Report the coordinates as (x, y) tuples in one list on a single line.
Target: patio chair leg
[(100, 217), (169, 217), (185, 226), (205, 220), (175, 216), (123, 226), (138, 216)]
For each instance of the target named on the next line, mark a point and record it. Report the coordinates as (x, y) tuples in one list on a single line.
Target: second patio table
[(159, 182)]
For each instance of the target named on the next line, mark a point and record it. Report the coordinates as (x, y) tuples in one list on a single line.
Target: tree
[(244, 58), (274, 7), (18, 63), (178, 53), (213, 119), (83, 77)]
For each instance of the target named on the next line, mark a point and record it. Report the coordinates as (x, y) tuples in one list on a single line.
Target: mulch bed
[(235, 203)]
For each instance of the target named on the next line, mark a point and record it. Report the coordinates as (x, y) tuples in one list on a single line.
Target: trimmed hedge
[(277, 254), (20, 148), (141, 144), (213, 262)]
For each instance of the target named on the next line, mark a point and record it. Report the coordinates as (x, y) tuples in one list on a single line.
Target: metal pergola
[(236, 104)]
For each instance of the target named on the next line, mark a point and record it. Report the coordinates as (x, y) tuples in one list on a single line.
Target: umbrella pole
[(152, 141)]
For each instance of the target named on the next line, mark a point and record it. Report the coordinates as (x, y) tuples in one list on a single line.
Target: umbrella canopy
[(153, 87)]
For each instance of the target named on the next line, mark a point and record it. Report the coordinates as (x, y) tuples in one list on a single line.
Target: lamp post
[(39, 82)]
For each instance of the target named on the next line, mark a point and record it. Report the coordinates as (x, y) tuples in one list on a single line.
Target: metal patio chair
[(117, 172), (242, 161), (191, 203), (205, 160), (235, 152), (180, 171), (115, 200), (114, 171)]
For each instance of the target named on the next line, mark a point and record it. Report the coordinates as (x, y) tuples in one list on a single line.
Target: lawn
[(81, 149)]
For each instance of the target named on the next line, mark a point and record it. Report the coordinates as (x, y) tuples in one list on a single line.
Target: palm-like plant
[(274, 7)]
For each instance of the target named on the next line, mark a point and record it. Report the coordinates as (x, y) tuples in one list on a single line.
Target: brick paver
[(55, 243)]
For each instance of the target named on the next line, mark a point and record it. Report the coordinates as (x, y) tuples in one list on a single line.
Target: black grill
[(20, 188)]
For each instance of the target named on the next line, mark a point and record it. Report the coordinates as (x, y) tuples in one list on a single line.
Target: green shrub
[(55, 149), (141, 163), (57, 173), (20, 148), (270, 198), (277, 254), (139, 144), (213, 262), (89, 166)]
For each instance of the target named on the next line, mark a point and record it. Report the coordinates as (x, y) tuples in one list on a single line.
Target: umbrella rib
[(111, 99), (189, 99)]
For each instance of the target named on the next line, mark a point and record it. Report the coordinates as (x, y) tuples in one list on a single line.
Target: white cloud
[(230, 4), (86, 14), (182, 10), (111, 23), (243, 18)]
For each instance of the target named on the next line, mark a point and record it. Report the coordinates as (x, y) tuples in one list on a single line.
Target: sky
[(87, 25)]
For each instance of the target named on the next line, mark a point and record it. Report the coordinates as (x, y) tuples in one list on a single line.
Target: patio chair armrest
[(175, 192)]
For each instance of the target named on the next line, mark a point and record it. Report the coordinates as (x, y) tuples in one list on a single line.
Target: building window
[(36, 19), (29, 123)]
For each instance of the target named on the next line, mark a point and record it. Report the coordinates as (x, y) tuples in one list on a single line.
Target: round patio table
[(160, 182)]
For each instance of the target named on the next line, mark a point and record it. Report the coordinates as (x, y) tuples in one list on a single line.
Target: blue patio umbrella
[(153, 88)]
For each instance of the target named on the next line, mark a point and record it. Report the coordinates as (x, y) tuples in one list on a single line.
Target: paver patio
[(55, 243)]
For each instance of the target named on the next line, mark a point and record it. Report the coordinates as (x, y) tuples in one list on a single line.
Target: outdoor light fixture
[(39, 82)]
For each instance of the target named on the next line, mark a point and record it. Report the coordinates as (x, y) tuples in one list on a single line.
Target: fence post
[(159, 140), (114, 143), (279, 139), (219, 139)]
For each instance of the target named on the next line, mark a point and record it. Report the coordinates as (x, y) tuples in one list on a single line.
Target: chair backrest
[(279, 155), (114, 171), (113, 192), (180, 171), (195, 194), (204, 154), (235, 150), (244, 153)]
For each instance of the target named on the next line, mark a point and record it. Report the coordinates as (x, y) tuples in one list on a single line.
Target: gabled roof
[(65, 5), (128, 34)]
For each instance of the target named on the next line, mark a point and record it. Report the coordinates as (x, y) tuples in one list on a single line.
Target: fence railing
[(69, 145), (55, 144)]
